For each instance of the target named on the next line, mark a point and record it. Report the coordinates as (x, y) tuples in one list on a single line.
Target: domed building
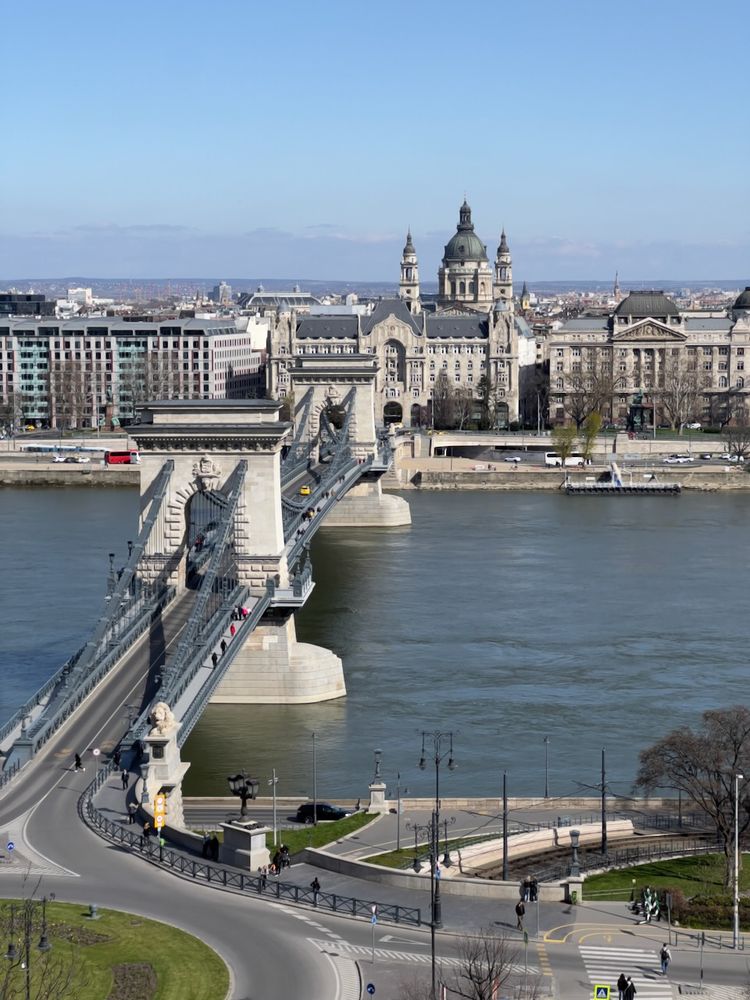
[(464, 276), (650, 360)]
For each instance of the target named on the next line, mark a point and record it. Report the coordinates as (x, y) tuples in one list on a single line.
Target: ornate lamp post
[(439, 745), (25, 926), (244, 788), (736, 882)]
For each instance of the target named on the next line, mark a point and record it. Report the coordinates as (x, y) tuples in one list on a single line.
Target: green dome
[(743, 300), (465, 245)]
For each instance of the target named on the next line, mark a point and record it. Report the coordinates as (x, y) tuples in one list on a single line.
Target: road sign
[(11, 846), (371, 989), (374, 918), (159, 822), (96, 751), (160, 805), (601, 992)]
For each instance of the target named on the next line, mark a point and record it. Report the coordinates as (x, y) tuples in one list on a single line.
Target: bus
[(574, 459), (121, 458)]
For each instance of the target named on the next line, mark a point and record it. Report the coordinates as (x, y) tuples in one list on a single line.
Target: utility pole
[(505, 826), (546, 767), (604, 803)]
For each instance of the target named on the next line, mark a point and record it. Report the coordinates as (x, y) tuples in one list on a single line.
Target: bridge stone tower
[(319, 381), (206, 440)]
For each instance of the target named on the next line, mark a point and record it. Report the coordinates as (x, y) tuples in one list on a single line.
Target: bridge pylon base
[(273, 668), (366, 506)]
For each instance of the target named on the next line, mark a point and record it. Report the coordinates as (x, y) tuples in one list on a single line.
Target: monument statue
[(162, 719), (207, 473)]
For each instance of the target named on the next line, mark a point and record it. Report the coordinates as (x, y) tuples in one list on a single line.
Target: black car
[(324, 811)]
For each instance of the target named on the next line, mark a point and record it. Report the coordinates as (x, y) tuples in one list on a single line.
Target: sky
[(235, 138)]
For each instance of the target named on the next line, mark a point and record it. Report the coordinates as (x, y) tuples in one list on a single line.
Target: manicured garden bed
[(119, 956)]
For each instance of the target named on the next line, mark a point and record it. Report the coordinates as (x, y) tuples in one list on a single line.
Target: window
[(740, 351), (560, 352), (722, 381), (740, 366), (559, 366), (576, 352), (723, 350), (740, 383)]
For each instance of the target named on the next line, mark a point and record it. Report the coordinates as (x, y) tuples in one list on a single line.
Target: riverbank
[(466, 474), (43, 473)]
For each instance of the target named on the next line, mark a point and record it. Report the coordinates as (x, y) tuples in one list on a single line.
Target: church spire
[(408, 286), (502, 286)]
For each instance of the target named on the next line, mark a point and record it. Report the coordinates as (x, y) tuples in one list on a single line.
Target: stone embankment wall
[(21, 474)]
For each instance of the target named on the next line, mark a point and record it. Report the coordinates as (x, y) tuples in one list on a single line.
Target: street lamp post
[(604, 803), (736, 887), (273, 781), (442, 747), (28, 910), (399, 790), (505, 826), (315, 779), (244, 788), (546, 767)]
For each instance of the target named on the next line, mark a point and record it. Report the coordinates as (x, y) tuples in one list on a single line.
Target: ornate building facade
[(674, 366), (470, 342)]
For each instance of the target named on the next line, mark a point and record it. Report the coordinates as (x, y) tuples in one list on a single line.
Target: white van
[(573, 460)]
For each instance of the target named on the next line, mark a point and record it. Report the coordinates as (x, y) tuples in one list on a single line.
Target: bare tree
[(737, 433), (489, 965), (27, 972), (70, 388), (680, 388), (11, 411), (463, 406), (590, 388), (702, 764), (442, 402)]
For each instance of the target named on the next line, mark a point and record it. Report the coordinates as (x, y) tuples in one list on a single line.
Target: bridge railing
[(231, 878)]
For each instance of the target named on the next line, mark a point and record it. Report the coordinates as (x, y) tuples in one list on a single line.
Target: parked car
[(695, 426), (58, 458), (677, 460), (324, 811), (706, 456), (726, 457)]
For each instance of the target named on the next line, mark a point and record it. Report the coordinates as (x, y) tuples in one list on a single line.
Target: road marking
[(604, 965), (397, 940), (544, 962), (401, 956), (549, 939)]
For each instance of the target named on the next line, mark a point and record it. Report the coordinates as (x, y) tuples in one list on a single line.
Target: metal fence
[(625, 856), (217, 875)]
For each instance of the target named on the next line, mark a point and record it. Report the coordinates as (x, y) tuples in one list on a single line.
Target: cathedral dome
[(743, 300), (465, 245), (640, 305)]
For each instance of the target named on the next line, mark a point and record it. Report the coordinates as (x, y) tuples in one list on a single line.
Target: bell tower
[(503, 284), (408, 286)]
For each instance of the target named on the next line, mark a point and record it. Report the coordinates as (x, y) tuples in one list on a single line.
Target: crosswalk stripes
[(725, 993), (604, 965), (419, 958)]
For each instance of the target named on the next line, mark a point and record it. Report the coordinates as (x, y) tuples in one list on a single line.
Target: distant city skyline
[(284, 140)]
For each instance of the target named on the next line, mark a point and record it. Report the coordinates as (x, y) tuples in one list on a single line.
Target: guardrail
[(625, 856), (228, 878)]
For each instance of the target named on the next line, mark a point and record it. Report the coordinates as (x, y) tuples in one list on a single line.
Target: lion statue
[(161, 718)]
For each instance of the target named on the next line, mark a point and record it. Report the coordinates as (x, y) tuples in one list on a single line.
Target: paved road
[(39, 812)]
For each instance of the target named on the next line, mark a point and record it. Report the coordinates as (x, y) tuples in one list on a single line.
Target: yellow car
[(304, 491)]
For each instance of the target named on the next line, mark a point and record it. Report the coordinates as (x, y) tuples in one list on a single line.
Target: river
[(503, 617)]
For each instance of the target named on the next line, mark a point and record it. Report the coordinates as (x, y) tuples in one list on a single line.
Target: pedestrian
[(263, 873), (214, 658), (315, 886), (666, 957), (630, 990), (245, 612), (621, 984), (214, 848), (520, 911), (132, 810), (147, 829), (223, 646), (526, 888), (117, 758), (78, 765), (124, 778), (534, 886), (232, 629), (277, 862), (206, 846)]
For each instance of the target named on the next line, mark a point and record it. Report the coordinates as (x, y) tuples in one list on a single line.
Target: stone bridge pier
[(321, 381), (207, 440)]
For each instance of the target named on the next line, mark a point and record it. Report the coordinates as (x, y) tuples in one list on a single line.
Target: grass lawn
[(699, 876), (405, 857), (320, 835), (120, 956)]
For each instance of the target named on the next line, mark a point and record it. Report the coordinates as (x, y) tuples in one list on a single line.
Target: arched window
[(462, 288), (740, 383), (722, 381), (471, 286), (453, 287)]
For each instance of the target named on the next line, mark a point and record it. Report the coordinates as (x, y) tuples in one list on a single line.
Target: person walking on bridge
[(78, 765), (125, 778)]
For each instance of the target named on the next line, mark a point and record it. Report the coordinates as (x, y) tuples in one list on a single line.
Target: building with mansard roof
[(471, 338), (649, 359)]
